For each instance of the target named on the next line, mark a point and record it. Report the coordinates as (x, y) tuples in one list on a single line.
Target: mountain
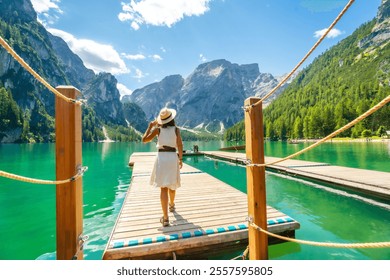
[(340, 85), (156, 95), (135, 117), (103, 96), (32, 116), (381, 31), (210, 98)]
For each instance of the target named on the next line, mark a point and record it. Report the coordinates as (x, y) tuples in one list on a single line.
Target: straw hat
[(166, 115)]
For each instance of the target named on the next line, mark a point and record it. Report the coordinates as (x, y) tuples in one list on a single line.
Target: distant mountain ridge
[(210, 98), (51, 57)]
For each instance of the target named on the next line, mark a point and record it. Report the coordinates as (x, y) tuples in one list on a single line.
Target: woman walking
[(166, 171)]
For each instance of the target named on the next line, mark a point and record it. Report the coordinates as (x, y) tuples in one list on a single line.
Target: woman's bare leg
[(164, 202), (172, 194)]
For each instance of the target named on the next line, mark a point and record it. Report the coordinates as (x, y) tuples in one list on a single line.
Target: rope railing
[(307, 55), (322, 244), (35, 74), (11, 176), (333, 134), (24, 64)]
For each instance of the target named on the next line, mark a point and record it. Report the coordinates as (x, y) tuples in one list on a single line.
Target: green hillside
[(337, 87)]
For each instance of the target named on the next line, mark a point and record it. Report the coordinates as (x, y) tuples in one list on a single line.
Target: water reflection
[(105, 148), (388, 148)]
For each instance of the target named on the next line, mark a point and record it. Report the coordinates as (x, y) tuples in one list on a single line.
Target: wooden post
[(257, 207), (69, 204)]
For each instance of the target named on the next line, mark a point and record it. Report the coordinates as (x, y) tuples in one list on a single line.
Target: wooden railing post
[(69, 204), (257, 207)]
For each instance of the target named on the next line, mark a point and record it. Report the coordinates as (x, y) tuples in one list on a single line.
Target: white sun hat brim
[(172, 115)]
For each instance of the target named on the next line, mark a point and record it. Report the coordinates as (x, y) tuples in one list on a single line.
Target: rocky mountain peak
[(381, 32), (210, 98), (384, 11)]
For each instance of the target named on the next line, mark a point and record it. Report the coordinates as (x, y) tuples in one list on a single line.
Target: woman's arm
[(150, 133), (179, 144)]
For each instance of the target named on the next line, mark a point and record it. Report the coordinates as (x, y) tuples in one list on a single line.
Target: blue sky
[(142, 41)]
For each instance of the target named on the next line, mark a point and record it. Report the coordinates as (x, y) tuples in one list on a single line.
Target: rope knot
[(82, 241)]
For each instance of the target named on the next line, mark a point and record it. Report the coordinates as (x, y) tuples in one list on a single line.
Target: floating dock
[(370, 182), (210, 218)]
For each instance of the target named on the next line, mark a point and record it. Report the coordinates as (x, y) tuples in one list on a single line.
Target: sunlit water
[(326, 213)]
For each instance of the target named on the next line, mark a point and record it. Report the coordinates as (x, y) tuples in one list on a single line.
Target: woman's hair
[(171, 123)]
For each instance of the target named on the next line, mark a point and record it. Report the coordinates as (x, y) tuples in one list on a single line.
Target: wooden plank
[(209, 214)]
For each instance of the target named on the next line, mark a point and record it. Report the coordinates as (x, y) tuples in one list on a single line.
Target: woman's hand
[(180, 163), (153, 123), (150, 132)]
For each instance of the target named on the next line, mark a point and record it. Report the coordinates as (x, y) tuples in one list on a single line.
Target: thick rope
[(82, 240), (243, 256), (324, 244), (352, 123), (35, 74), (80, 173), (307, 55)]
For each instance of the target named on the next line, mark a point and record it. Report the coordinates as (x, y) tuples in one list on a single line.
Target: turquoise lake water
[(326, 213)]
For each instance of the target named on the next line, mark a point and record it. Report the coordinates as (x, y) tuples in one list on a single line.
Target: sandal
[(164, 222), (172, 207)]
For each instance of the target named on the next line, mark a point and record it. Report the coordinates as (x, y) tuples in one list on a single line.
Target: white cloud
[(332, 33), (47, 10), (96, 56), (42, 6), (156, 57), (134, 56), (123, 90), (135, 25), (202, 58), (139, 74), (161, 13)]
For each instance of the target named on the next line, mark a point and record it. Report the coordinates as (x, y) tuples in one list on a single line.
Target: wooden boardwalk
[(374, 183), (209, 219)]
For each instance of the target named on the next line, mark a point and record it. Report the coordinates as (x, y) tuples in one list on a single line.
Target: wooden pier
[(370, 182), (210, 218)]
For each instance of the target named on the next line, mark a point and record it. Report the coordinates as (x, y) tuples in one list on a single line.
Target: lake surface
[(27, 211)]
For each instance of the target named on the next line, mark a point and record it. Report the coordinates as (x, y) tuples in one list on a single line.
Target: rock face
[(74, 68), (17, 10), (157, 95), (384, 11), (210, 98), (381, 32), (103, 96), (135, 117)]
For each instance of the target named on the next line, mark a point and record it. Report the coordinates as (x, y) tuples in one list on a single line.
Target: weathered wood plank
[(208, 212)]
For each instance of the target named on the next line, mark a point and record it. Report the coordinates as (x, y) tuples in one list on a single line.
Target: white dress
[(166, 170)]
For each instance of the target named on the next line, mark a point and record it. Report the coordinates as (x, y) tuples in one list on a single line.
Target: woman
[(166, 170)]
